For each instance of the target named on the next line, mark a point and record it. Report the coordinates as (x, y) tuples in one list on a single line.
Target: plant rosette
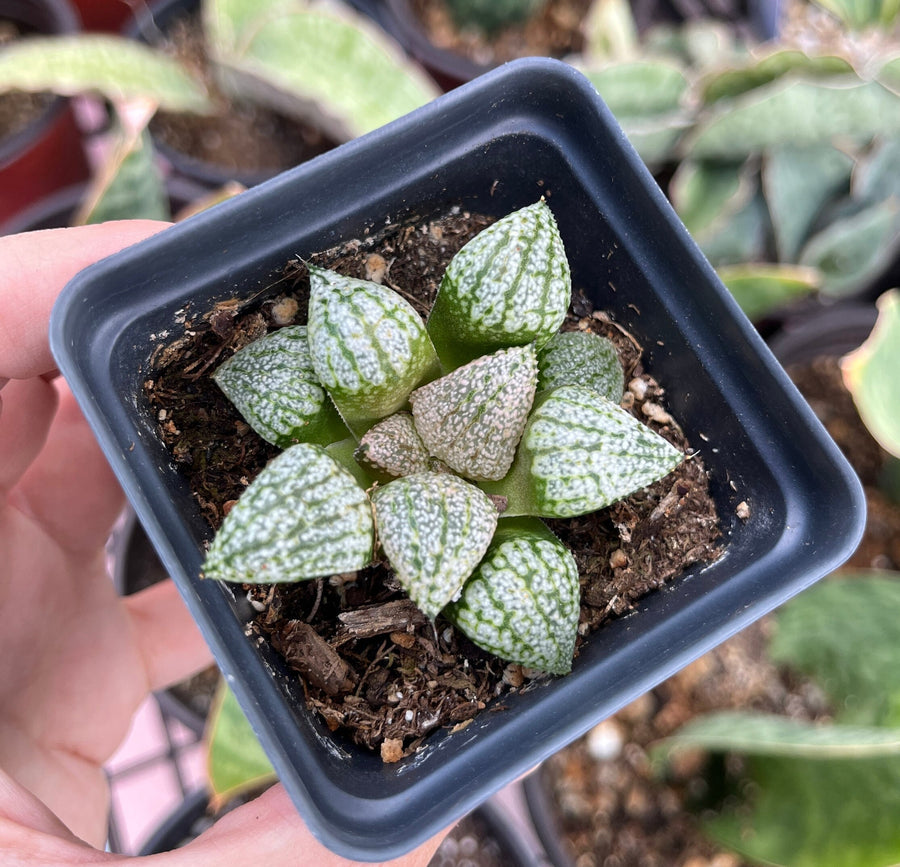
[(791, 508), (365, 356)]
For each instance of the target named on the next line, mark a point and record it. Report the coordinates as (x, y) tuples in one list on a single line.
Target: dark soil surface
[(240, 136), (555, 30), (371, 664), (18, 109), (610, 806)]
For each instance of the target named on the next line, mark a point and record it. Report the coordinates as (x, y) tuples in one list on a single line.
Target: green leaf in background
[(325, 64), (844, 633), (128, 185), (656, 138), (798, 182), (877, 174), (817, 795), (640, 88), (871, 375), (610, 31), (798, 113), (116, 68), (703, 192), (854, 250), (236, 762), (701, 43), (730, 83), (860, 14), (817, 813), (762, 288), (737, 237)]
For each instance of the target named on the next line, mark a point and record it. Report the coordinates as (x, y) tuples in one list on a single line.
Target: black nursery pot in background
[(531, 128)]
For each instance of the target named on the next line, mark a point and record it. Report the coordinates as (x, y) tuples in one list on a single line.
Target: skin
[(76, 661)]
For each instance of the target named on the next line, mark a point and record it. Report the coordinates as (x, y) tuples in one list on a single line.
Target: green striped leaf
[(304, 516), (394, 447), (579, 453), (473, 418), (522, 602), (368, 345), (510, 285), (434, 528), (272, 384), (581, 357)]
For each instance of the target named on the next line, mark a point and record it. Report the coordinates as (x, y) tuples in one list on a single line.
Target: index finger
[(34, 267)]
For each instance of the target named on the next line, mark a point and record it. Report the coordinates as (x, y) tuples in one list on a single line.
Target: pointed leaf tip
[(434, 528), (581, 358)]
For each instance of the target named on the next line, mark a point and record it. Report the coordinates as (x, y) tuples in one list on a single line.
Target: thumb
[(269, 831)]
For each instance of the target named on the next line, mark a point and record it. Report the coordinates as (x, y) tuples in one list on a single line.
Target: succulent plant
[(491, 15), (447, 465)]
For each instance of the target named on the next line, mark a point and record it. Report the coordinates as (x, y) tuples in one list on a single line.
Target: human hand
[(76, 661)]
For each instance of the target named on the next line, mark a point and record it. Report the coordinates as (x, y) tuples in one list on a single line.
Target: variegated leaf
[(510, 285), (581, 357), (368, 345), (579, 453), (304, 516), (272, 384), (522, 602), (394, 447), (473, 418), (434, 528)]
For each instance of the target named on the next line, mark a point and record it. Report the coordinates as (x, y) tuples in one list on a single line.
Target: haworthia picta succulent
[(510, 285), (473, 418), (394, 446), (434, 528), (304, 516), (581, 358), (368, 345), (272, 384), (522, 602), (579, 453)]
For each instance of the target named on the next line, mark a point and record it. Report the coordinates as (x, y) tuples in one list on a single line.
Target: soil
[(240, 136), (17, 108), (372, 665), (611, 808), (555, 30)]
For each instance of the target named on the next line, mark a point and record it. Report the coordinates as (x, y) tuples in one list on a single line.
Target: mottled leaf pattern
[(304, 516), (473, 418), (272, 384), (394, 446), (581, 452), (581, 358), (510, 285), (523, 600), (368, 346), (434, 528)]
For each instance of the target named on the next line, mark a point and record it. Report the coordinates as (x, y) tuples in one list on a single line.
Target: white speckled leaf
[(522, 602), (272, 384), (304, 516), (368, 345), (510, 285), (581, 358), (473, 418), (434, 528), (579, 453), (394, 447)]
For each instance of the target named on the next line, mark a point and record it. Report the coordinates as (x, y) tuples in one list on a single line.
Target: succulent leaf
[(472, 419), (393, 446), (522, 602), (509, 286), (581, 357), (434, 528), (581, 452), (304, 516), (273, 385), (368, 345)]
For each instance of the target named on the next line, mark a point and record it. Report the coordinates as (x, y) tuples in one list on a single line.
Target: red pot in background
[(110, 16), (49, 153)]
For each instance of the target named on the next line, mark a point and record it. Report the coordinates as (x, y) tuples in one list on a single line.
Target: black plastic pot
[(48, 154), (531, 128)]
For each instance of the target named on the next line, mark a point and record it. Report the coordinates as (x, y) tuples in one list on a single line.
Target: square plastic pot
[(530, 128)]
